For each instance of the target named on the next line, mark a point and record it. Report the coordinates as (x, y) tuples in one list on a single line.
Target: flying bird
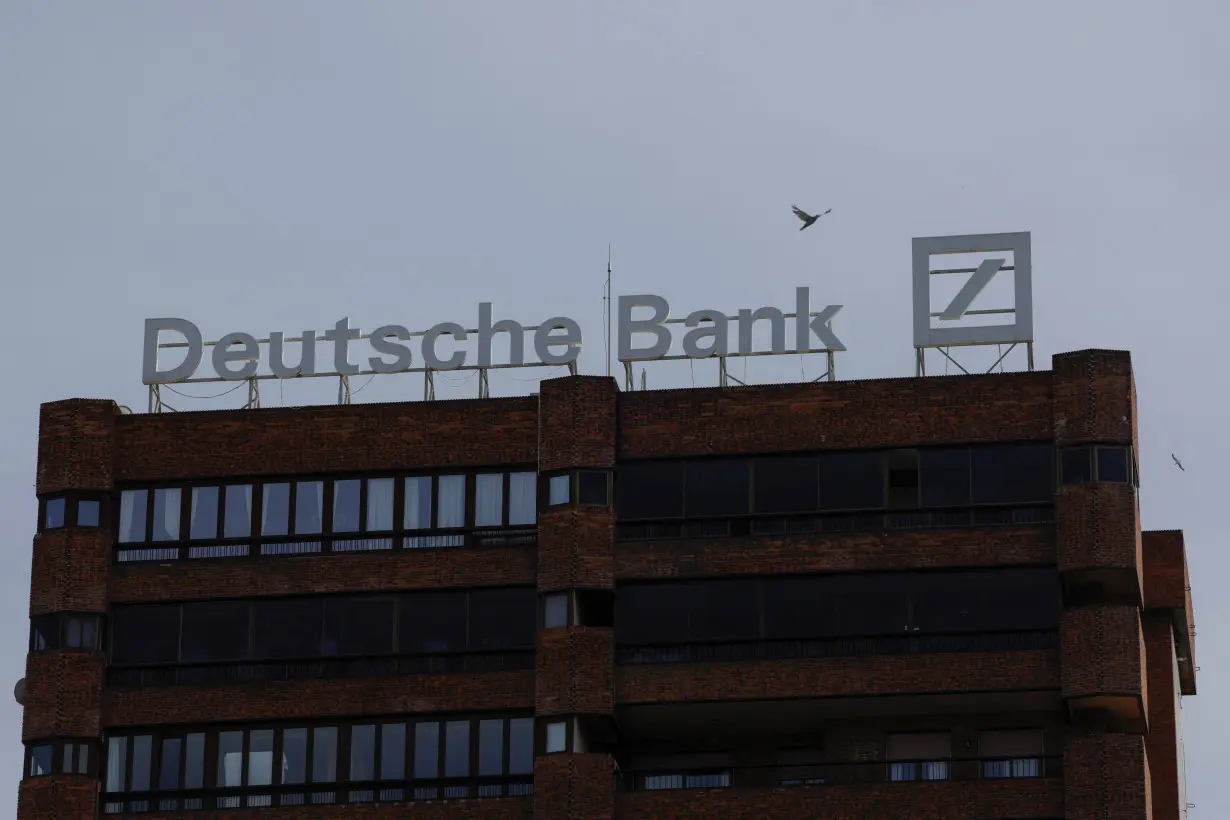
[(808, 219), (1177, 463)]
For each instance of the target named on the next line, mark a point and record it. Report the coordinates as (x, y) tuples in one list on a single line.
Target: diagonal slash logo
[(981, 278)]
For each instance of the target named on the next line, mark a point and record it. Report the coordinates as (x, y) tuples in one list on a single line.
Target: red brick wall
[(63, 693), (488, 808), (64, 797), (1096, 527), (920, 549), (575, 671), (1162, 740), (68, 571), (578, 423), (1106, 777), (75, 445), (576, 548), (1101, 654), (575, 787), (834, 677), (1094, 397)]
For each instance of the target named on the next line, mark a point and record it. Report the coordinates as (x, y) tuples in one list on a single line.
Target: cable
[(218, 396), (365, 384)]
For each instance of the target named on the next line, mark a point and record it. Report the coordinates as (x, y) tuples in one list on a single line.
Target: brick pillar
[(1106, 776), (68, 574), (576, 543)]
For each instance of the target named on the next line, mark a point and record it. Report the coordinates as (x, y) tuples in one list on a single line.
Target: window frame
[(72, 510), (62, 622)]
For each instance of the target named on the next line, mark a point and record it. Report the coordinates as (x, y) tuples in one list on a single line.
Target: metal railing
[(840, 773), (253, 671), (837, 523), (776, 650), (318, 794)]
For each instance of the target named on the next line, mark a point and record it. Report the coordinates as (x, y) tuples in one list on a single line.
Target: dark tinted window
[(289, 628), (716, 487), (55, 513), (1020, 599), (786, 484), (1113, 464), (502, 618), (1075, 466), (359, 626), (592, 488), (902, 479), (944, 475), (949, 602), (44, 633), (651, 613), (144, 634), (88, 513), (650, 490), (873, 604), (724, 610), (432, 622), (851, 481), (216, 631), (1011, 474), (799, 608)]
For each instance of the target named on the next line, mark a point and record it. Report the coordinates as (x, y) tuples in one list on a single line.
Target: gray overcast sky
[(275, 166)]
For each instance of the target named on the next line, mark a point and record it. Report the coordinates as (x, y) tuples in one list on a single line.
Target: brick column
[(1106, 776), (68, 574), (576, 542)]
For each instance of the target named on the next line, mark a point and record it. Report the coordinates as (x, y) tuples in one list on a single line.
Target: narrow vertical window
[(88, 513), (294, 756), (237, 515), (132, 515), (117, 763), (522, 499), (142, 762), (230, 759), (346, 505), (168, 764), (557, 737), (83, 758), (324, 754), (418, 503), (451, 512), (275, 509), (457, 748), (393, 751), (166, 514), (67, 759), (379, 504), (489, 499), (557, 490), (426, 750), (490, 747), (521, 746), (204, 513), (362, 753), (260, 757), (40, 761), (555, 611), (194, 761), (309, 507), (54, 515)]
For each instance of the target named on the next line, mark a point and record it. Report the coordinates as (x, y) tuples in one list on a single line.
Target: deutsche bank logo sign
[(995, 247)]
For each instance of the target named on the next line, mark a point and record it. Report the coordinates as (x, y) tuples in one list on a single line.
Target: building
[(924, 597)]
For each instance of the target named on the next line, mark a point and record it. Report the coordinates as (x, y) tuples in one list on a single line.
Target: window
[(309, 507), (205, 516), (294, 756), (919, 756), (502, 618), (652, 613), (427, 750), (237, 514), (593, 488), (361, 625), (873, 605), (230, 759), (275, 509), (903, 479), (64, 631), (724, 610), (852, 481), (215, 631), (1075, 465), (490, 747), (558, 487), (432, 622), (451, 507), (393, 751), (799, 608), (786, 484), (289, 628), (716, 487), (54, 513), (1012, 473), (145, 634), (1113, 464), (81, 632), (489, 499), (1011, 753), (142, 763), (39, 760), (457, 748), (557, 737), (346, 505), (166, 515), (324, 754), (944, 476), (521, 746), (169, 764), (380, 504), (44, 633), (133, 516), (363, 753), (522, 499), (89, 513), (651, 490), (555, 611)]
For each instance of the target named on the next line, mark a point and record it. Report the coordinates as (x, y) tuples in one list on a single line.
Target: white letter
[(805, 325), (544, 341), (429, 346), (150, 374), (516, 337), (387, 348), (341, 335), (307, 356), (629, 326), (717, 331), (777, 331), (249, 352)]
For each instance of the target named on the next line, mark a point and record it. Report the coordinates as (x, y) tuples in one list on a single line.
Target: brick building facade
[(912, 597)]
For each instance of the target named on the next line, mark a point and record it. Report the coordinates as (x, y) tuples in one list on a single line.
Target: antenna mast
[(606, 301)]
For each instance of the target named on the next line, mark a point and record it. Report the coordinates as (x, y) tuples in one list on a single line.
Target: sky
[(279, 165)]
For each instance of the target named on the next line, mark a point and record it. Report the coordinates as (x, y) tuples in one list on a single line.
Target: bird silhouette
[(808, 219), (1177, 463)]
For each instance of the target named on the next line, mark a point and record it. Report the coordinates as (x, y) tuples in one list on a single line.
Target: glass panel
[(230, 759), (44, 633), (289, 628), (346, 505), (786, 484), (88, 513), (799, 608), (457, 748), (168, 765), (432, 622), (89, 632), (1075, 466), (651, 613), (294, 755), (1113, 464), (359, 626), (204, 513), (557, 737), (521, 746), (393, 751), (489, 499), (132, 515), (324, 754), (650, 490), (557, 489), (237, 517), (502, 618), (83, 758), (490, 747), (309, 506), (949, 601), (874, 605), (418, 503), (852, 481), (555, 611), (66, 764), (452, 505), (40, 761), (363, 753), (166, 514), (725, 610), (55, 513), (260, 757), (944, 475), (522, 499), (215, 631), (72, 632), (275, 509), (380, 504), (1012, 474), (144, 634), (717, 487), (142, 762), (194, 761), (117, 763), (592, 488), (427, 750)]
